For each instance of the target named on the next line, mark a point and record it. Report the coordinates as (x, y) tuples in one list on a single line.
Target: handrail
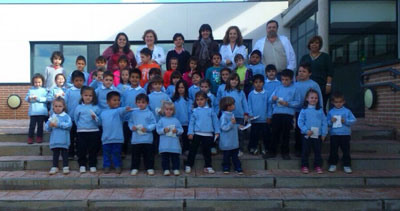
[(392, 85), (394, 72)]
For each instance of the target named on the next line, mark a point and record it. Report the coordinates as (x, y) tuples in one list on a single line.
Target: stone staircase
[(273, 184)]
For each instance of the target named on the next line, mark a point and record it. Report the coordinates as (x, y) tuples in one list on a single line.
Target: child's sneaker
[(166, 173), (106, 170), (177, 172), (134, 172), (226, 171), (332, 168), (93, 170), (209, 170), (150, 172), (118, 170), (214, 151), (304, 170), (318, 170), (82, 169), (239, 171), (53, 170), (30, 140), (39, 140), (188, 169), (240, 153), (347, 169), (66, 170)]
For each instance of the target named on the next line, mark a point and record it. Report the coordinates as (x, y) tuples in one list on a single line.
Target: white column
[(323, 23)]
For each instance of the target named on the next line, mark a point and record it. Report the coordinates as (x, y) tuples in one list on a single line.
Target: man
[(276, 49)]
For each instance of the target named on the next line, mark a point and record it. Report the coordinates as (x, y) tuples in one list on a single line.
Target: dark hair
[(305, 104), (62, 100), (287, 73), (120, 75), (101, 59), (88, 88), (155, 79), (201, 94), (57, 54), (115, 46), (239, 39), (258, 77), (306, 66), (155, 71), (270, 67), (37, 75), (258, 52), (77, 74), (222, 70), (225, 102), (123, 58), (216, 54), (205, 27), (175, 74), (108, 73), (142, 96), (314, 39), (150, 31), (80, 58), (197, 73), (176, 35), (60, 74), (146, 52), (207, 82), (273, 21), (232, 76), (94, 73), (237, 57), (174, 58), (337, 95), (135, 71), (112, 94), (176, 95)]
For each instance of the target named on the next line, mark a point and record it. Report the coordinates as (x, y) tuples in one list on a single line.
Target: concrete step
[(202, 199), (30, 180)]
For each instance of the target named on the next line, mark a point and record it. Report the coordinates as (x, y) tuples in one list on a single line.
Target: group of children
[(174, 114)]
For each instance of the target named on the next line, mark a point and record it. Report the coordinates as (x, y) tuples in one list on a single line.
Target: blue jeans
[(112, 151)]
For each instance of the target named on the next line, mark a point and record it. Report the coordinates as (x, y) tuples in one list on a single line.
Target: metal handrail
[(394, 72), (392, 85)]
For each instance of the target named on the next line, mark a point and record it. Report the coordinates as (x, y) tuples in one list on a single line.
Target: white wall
[(22, 23)]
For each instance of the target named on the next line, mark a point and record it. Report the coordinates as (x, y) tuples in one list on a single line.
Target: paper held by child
[(338, 122), (53, 119), (245, 127), (280, 100), (170, 133), (95, 116), (253, 118), (139, 130)]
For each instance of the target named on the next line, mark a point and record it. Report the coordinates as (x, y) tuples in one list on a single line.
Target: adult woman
[(321, 66), (232, 45), (121, 46), (150, 38), (204, 47)]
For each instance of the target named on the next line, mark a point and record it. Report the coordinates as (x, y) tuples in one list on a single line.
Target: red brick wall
[(5, 111), (387, 109)]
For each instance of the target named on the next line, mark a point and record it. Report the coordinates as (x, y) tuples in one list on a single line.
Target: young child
[(98, 81), (259, 107), (169, 128), (112, 137), (187, 76), (102, 91), (37, 99), (271, 82), (100, 64), (175, 77), (313, 126), (225, 72), (303, 84), (56, 59), (122, 65), (229, 140), (340, 120), (146, 65), (80, 64), (204, 129), (196, 78), (245, 75), (241, 112), (284, 102), (124, 80), (86, 117), (167, 74), (182, 111), (213, 72), (255, 65), (142, 123), (57, 91), (152, 73), (205, 86), (72, 98), (59, 125)]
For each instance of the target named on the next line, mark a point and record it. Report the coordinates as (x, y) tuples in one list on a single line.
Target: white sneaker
[(209, 170), (240, 154), (166, 173), (66, 170), (82, 169), (347, 169), (214, 151), (93, 170), (332, 168), (150, 172), (188, 169), (53, 170), (134, 172), (177, 172)]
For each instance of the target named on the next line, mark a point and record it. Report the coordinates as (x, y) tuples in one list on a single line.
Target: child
[(59, 125), (284, 102), (225, 72), (122, 65), (102, 91), (57, 91), (229, 141), (112, 137), (245, 75), (187, 76), (303, 84), (271, 82), (98, 81), (255, 65), (72, 98), (196, 77), (205, 86), (87, 123), (153, 72), (100, 64), (313, 126), (124, 80), (56, 59), (80, 64), (167, 75), (142, 123), (213, 73), (169, 128), (259, 107), (36, 97), (340, 120), (175, 77), (232, 89), (146, 65), (182, 111), (203, 126)]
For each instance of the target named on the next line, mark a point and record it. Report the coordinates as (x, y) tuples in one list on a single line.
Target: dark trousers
[(88, 144), (241, 133), (184, 139), (259, 130), (325, 97), (112, 152), (56, 156), (309, 143), (72, 138), (298, 136), (156, 142), (281, 126), (127, 138), (228, 155), (36, 120), (344, 143), (147, 151), (167, 157), (206, 144)]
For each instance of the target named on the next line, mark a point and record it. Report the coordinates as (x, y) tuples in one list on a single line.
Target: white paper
[(95, 116), (53, 119), (338, 122), (170, 133), (245, 127), (253, 118), (157, 110), (139, 130), (280, 99), (315, 131)]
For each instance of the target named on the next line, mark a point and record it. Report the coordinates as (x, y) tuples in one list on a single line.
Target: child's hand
[(283, 103), (144, 130), (190, 137), (134, 128), (166, 130), (333, 119), (274, 98), (323, 138), (216, 135), (93, 116), (246, 117), (269, 121), (240, 126), (128, 108), (174, 130), (53, 124), (343, 120), (233, 120), (228, 62), (63, 94), (309, 133)]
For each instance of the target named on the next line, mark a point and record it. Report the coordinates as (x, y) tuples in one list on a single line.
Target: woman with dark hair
[(150, 38), (204, 47), (121, 46), (232, 45)]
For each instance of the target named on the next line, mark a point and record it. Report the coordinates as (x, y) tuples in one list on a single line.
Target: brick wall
[(387, 109), (5, 111)]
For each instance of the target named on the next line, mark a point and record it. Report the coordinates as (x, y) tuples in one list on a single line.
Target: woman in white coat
[(150, 38), (232, 45)]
